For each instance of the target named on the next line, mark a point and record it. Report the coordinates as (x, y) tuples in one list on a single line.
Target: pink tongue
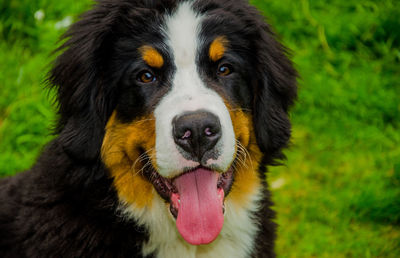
[(200, 215)]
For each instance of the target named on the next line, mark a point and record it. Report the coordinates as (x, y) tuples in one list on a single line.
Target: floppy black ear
[(275, 92), (77, 77)]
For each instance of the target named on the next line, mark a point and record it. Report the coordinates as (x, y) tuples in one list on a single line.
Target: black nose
[(196, 132)]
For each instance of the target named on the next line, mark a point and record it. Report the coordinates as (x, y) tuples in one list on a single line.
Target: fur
[(79, 199)]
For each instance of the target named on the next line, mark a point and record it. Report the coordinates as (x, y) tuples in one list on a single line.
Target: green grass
[(26, 44), (339, 193)]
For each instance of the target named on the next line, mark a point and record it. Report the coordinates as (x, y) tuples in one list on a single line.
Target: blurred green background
[(338, 194)]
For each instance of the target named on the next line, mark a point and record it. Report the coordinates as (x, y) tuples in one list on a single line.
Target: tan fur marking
[(218, 48), (120, 152), (247, 180), (151, 56)]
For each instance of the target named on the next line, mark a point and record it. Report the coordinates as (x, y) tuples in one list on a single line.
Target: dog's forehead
[(186, 33), (182, 29)]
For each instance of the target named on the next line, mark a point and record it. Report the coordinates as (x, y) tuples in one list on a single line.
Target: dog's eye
[(146, 77), (224, 70)]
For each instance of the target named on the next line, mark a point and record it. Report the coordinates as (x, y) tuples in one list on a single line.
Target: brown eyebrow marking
[(151, 56), (218, 48)]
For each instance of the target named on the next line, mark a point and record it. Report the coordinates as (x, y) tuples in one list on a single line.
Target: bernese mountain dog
[(169, 112)]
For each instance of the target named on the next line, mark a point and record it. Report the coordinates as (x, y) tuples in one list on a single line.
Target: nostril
[(211, 131), (208, 131), (212, 128), (186, 135)]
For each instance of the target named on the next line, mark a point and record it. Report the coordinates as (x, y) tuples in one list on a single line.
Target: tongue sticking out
[(199, 202)]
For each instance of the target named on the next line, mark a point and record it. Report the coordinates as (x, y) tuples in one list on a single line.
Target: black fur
[(65, 206)]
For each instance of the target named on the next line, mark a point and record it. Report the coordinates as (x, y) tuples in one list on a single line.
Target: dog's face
[(185, 98)]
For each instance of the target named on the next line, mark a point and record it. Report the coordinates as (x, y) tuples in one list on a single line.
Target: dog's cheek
[(247, 180), (241, 125), (121, 153)]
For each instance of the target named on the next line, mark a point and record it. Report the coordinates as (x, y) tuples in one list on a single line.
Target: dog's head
[(181, 100)]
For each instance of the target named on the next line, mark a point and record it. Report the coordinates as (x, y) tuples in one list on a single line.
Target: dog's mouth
[(196, 200)]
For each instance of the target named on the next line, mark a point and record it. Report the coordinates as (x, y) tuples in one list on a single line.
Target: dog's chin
[(196, 200)]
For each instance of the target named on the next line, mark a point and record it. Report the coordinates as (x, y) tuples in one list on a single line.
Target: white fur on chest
[(236, 239)]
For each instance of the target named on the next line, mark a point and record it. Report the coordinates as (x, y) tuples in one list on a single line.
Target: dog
[(169, 112)]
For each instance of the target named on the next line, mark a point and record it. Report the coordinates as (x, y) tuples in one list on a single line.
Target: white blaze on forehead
[(182, 31), (188, 93)]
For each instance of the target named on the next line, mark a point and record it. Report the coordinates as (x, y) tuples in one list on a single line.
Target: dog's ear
[(275, 91), (81, 93)]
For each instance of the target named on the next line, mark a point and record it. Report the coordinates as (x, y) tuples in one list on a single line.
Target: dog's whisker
[(141, 170), (240, 109), (145, 120), (142, 157), (245, 153), (242, 163)]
